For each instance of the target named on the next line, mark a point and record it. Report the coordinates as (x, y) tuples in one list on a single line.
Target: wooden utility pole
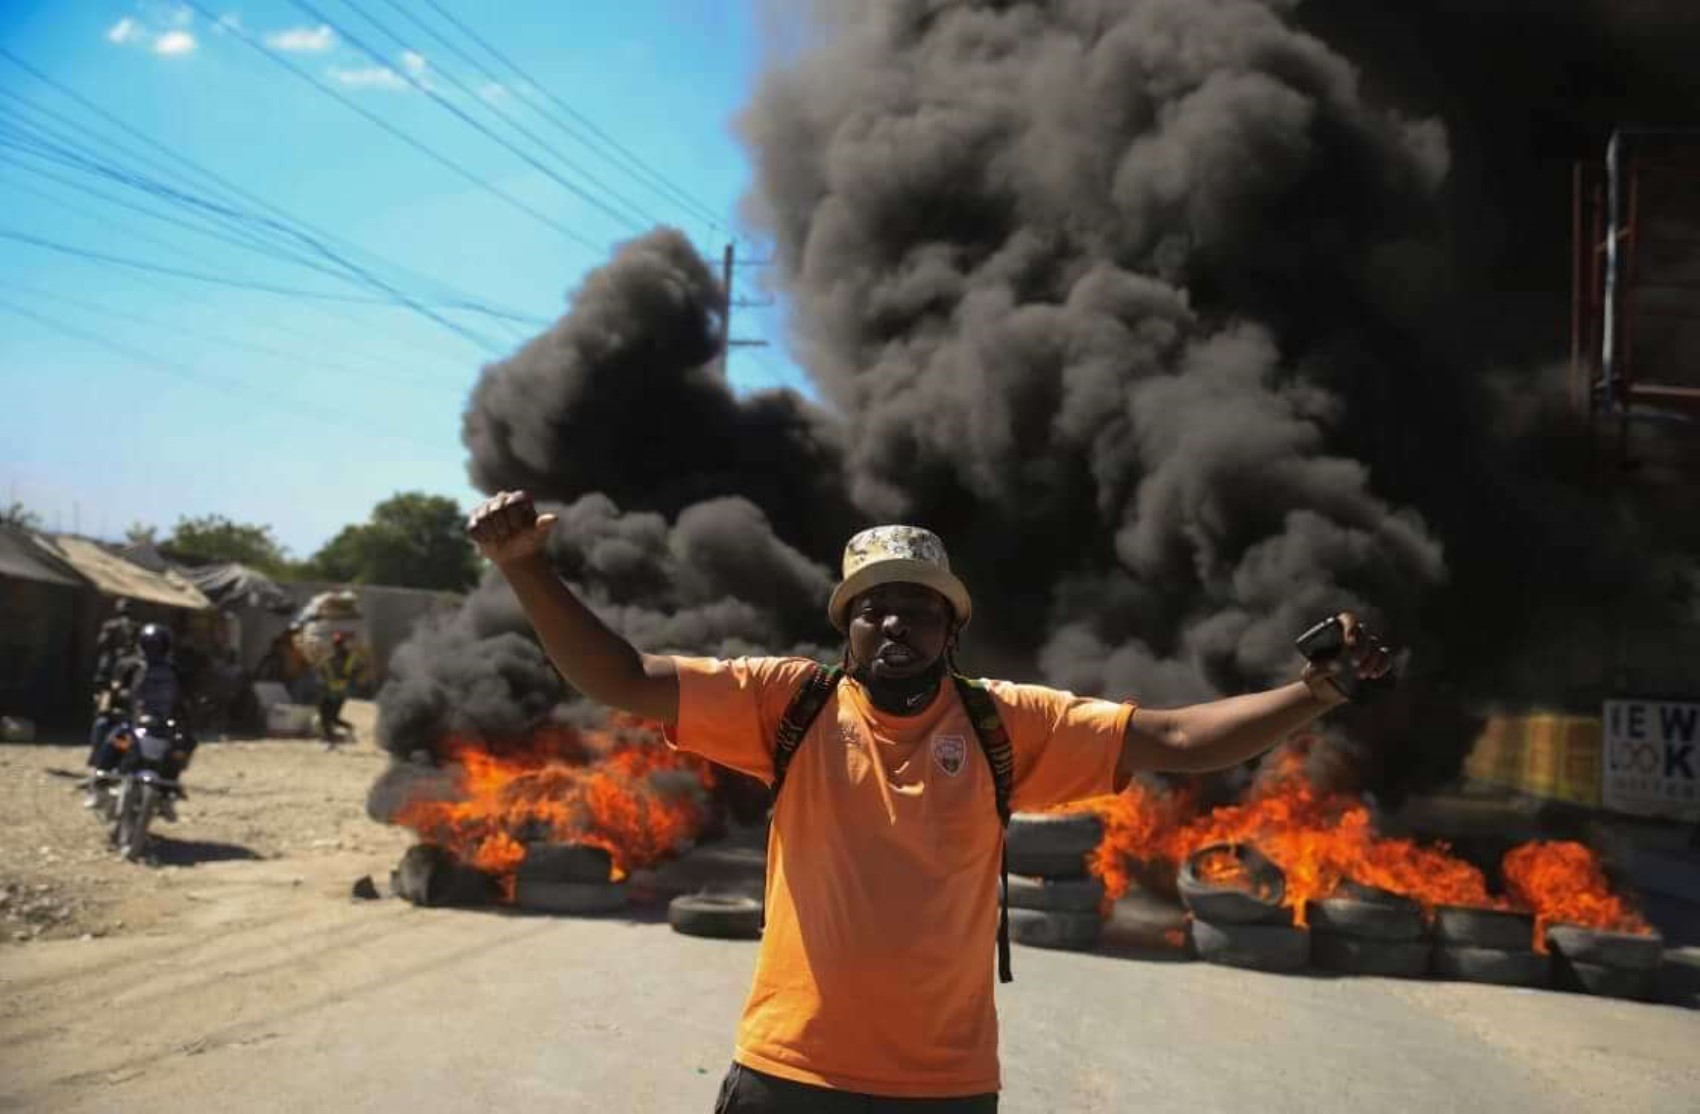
[(728, 268)]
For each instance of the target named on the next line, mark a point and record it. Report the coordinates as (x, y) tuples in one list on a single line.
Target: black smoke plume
[(1184, 322), (673, 496)]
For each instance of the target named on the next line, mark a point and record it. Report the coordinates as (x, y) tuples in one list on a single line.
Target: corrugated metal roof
[(114, 576), (21, 560)]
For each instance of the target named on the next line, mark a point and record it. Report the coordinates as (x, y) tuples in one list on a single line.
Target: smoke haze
[(1183, 322)]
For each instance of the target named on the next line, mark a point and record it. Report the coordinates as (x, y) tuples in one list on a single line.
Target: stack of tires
[(1241, 923), (1362, 930), (1612, 964), (568, 878), (1053, 901), (1488, 946)]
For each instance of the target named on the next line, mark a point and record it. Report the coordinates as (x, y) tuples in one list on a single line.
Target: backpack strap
[(1000, 755), (800, 714)]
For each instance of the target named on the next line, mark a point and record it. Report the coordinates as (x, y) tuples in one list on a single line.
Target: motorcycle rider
[(116, 641), (150, 693)]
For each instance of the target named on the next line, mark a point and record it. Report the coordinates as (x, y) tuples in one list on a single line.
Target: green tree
[(16, 514), (212, 538), (140, 533), (413, 540)]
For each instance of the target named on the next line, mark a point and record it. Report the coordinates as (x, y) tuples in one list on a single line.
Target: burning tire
[(1057, 895), (1623, 950), (1501, 967), (1052, 845), (1463, 927), (721, 916), (430, 876), (1255, 947), (573, 898), (565, 862), (1369, 914), (1255, 898), (1064, 931), (1363, 955)]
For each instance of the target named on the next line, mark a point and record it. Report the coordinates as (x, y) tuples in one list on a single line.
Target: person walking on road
[(339, 669), (873, 987)]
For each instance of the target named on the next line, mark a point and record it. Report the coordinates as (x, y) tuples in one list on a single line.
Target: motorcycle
[(141, 790)]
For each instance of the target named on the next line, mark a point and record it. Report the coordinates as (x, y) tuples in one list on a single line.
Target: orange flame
[(1319, 839), (1221, 867), (565, 786), (1564, 883)]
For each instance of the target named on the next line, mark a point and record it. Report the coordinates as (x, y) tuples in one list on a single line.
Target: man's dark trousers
[(752, 1092)]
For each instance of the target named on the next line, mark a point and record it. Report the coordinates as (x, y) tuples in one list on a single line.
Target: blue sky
[(137, 396)]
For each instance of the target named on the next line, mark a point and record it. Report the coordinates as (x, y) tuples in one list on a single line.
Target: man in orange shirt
[(873, 989)]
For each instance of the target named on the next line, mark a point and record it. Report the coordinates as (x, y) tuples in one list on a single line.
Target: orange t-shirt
[(875, 972)]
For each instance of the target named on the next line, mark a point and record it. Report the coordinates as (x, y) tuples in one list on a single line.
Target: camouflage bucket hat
[(897, 555)]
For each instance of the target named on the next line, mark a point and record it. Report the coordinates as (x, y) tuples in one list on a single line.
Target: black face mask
[(900, 696)]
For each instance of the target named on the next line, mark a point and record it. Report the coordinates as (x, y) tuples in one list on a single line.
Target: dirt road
[(244, 977)]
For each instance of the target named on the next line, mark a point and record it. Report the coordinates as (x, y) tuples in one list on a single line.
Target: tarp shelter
[(112, 575), (233, 585), (102, 577), (258, 605), (39, 603)]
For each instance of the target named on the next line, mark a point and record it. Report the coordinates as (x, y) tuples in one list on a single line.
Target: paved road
[(295, 1000)]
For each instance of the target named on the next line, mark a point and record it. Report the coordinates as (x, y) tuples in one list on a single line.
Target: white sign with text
[(1651, 752)]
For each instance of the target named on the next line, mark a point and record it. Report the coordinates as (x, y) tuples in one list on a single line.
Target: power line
[(249, 243), (213, 221), (65, 203), (631, 209), (44, 144), (304, 361), (270, 323), (448, 106), (640, 170), (193, 203), (391, 129), (183, 371), (239, 220), (213, 233), (295, 228), (270, 251), (178, 272)]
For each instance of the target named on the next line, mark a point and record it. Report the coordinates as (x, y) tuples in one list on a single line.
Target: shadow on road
[(188, 852)]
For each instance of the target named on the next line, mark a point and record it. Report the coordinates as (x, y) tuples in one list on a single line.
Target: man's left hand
[(1338, 679)]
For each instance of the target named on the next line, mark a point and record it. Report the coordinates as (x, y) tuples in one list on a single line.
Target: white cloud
[(174, 42), (372, 77), (160, 28), (310, 40), (414, 62)]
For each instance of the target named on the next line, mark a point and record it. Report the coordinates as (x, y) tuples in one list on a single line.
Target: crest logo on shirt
[(949, 752)]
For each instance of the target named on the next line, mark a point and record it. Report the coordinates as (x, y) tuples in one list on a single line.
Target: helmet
[(122, 607), (155, 641)]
